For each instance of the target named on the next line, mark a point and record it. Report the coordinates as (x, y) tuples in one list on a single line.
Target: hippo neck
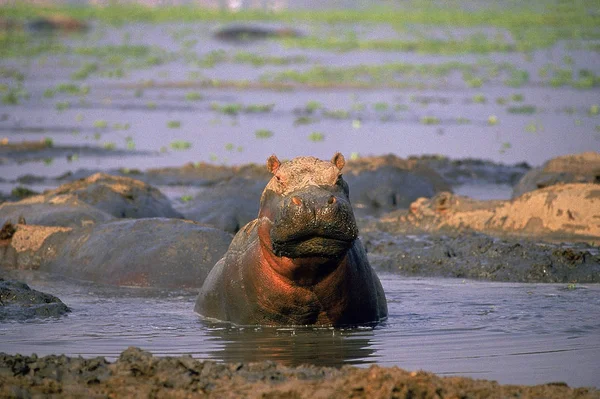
[(305, 271)]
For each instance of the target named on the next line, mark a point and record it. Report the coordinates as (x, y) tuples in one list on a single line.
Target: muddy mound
[(139, 374), (228, 205), (576, 168), (567, 211), (478, 256), (158, 252), (19, 302)]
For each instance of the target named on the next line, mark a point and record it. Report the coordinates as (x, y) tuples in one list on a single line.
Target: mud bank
[(137, 373)]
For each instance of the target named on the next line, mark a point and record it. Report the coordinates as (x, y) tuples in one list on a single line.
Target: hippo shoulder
[(244, 237)]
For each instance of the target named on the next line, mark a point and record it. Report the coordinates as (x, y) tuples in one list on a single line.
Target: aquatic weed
[(316, 137), (263, 134)]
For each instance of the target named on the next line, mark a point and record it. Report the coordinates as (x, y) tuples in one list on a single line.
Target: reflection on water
[(292, 346), (512, 333)]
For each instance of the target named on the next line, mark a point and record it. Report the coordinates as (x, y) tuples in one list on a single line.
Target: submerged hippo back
[(300, 262)]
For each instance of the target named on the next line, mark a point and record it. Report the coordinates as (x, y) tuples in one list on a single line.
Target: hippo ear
[(338, 160), (273, 164)]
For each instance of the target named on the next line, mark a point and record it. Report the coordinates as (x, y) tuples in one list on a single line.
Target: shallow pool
[(509, 332)]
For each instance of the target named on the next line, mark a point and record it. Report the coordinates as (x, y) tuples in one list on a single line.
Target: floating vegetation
[(594, 110), (173, 124), (479, 99), (533, 127), (430, 120), (312, 106), (121, 126), (62, 105), (522, 109), (517, 97), (85, 71), (263, 134), (304, 120), (462, 120), (109, 146), (186, 198), (151, 105), (180, 145), (316, 136), (48, 142), (229, 147), (100, 124), (492, 120), (12, 95), (236, 108), (193, 96), (517, 78), (336, 114), (505, 147), (380, 106)]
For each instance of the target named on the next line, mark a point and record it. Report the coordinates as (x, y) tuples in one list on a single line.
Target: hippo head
[(308, 209)]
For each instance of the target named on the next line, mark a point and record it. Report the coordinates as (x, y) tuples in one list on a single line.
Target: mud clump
[(137, 373), (569, 211), (19, 302), (478, 256)]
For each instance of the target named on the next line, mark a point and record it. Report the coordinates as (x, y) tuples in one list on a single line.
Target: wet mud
[(137, 373)]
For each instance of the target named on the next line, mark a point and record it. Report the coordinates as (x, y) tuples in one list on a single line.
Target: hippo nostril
[(297, 201), (331, 200)]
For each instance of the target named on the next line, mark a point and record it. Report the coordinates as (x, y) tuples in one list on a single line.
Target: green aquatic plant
[(173, 124), (492, 120), (517, 97), (304, 120), (316, 137), (312, 106), (48, 142), (180, 145), (522, 109), (193, 96), (479, 99), (109, 146), (85, 71), (263, 134), (62, 105), (100, 124), (430, 120), (229, 147), (186, 198), (594, 110)]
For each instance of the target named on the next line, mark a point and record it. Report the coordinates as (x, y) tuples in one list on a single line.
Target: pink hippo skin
[(300, 262)]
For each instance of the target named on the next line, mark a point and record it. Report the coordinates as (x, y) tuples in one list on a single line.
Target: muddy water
[(512, 333)]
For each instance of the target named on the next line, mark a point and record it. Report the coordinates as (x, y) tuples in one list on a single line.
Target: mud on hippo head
[(308, 207)]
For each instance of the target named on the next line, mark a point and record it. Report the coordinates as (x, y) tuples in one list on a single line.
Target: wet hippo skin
[(300, 262)]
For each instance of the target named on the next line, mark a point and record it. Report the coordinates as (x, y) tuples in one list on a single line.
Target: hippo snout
[(314, 214)]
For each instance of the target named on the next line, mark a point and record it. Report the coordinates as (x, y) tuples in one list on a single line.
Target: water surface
[(509, 332)]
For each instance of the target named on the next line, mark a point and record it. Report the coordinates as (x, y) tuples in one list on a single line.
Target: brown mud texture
[(137, 373)]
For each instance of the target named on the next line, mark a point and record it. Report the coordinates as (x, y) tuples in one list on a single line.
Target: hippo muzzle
[(313, 222)]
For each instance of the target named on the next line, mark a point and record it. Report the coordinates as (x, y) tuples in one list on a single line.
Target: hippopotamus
[(301, 261)]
